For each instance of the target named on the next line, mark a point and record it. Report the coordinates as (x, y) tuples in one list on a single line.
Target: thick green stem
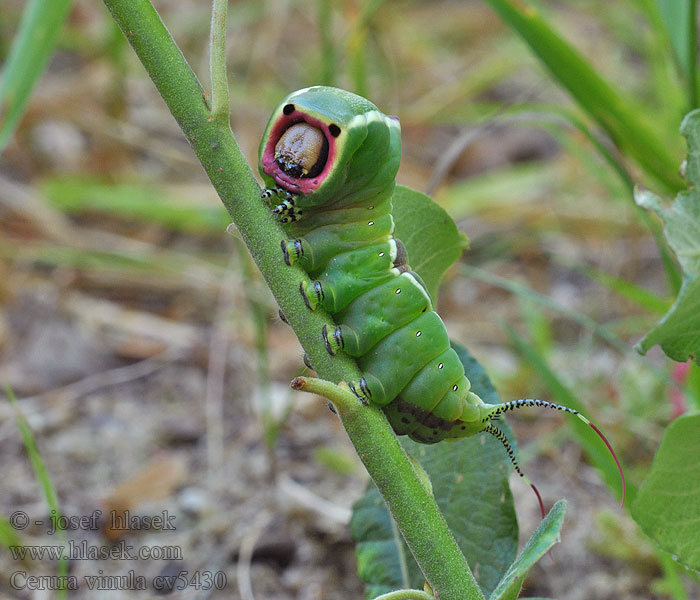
[(415, 510), (411, 504)]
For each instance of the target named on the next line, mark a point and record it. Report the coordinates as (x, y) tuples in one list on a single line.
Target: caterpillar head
[(326, 143)]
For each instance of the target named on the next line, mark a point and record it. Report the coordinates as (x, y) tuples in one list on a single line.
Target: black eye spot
[(334, 130), (440, 366), (455, 388), (288, 109), (419, 333)]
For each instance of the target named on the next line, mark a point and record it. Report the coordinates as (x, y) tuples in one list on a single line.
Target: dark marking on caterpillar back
[(424, 417)]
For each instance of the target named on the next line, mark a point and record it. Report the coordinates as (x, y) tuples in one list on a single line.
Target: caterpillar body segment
[(316, 247), (375, 314), (350, 274), (330, 159)]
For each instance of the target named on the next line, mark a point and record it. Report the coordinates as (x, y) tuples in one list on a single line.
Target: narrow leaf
[(674, 14), (141, 201), (626, 123), (678, 17), (42, 475), (41, 23), (545, 536)]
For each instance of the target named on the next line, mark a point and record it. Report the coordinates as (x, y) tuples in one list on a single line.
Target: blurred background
[(146, 353)]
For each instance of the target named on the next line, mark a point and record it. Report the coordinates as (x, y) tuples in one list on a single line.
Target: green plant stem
[(219, 81), (419, 520), (433, 546)]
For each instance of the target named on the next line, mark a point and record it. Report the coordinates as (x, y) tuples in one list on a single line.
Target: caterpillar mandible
[(330, 158)]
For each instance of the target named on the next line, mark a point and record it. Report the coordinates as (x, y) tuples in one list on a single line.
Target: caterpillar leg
[(292, 250), (369, 389), (318, 246), (333, 339), (276, 192), (349, 275), (286, 210), (307, 362), (312, 293)]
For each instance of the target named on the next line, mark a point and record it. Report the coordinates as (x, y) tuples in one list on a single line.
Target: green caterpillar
[(330, 160)]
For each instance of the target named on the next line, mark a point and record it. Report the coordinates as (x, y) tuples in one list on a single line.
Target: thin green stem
[(219, 82), (414, 509), (419, 519)]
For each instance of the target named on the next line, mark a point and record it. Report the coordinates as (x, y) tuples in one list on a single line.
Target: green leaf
[(470, 483), (677, 17), (384, 562), (667, 507), (681, 225), (678, 333), (42, 475), (140, 201), (429, 234), (41, 23), (674, 14), (625, 122), (545, 536)]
